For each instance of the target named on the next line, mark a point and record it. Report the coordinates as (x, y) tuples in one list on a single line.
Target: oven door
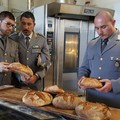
[(70, 41), (71, 45)]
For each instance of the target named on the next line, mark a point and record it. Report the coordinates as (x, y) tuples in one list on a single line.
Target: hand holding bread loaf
[(90, 82), (21, 69)]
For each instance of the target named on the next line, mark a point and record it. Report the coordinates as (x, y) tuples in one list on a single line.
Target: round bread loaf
[(90, 82), (37, 98), (67, 101), (54, 89), (93, 111), (21, 69)]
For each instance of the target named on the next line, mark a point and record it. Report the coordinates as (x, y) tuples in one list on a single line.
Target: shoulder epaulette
[(13, 36), (95, 38), (40, 35)]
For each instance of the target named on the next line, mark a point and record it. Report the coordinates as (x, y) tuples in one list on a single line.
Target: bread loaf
[(90, 82), (37, 98), (93, 111), (66, 101), (21, 69), (54, 89)]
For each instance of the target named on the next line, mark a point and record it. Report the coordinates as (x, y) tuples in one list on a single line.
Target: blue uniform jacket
[(105, 65)]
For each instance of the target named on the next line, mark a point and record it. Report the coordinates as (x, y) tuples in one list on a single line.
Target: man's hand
[(30, 80), (81, 87), (4, 67), (107, 86)]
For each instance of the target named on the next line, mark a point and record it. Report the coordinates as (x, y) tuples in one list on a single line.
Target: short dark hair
[(5, 14), (28, 14)]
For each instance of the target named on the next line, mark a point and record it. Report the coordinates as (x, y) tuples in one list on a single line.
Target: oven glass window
[(71, 52)]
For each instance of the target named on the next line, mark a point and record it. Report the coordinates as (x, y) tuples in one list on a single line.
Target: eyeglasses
[(8, 24)]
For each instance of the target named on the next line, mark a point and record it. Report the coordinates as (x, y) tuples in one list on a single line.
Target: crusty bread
[(37, 98), (67, 101), (93, 111), (54, 89), (90, 82), (21, 69)]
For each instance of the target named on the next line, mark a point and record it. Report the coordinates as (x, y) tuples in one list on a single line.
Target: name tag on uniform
[(36, 49)]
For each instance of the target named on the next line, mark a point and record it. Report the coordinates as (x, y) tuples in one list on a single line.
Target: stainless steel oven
[(70, 41)]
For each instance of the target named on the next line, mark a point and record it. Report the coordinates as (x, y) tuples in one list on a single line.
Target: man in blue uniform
[(103, 63)]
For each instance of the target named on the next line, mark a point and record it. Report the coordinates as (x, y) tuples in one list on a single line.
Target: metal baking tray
[(13, 111)]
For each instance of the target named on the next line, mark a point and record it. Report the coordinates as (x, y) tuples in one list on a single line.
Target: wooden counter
[(15, 95)]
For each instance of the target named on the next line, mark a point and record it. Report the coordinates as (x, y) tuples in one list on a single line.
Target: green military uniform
[(8, 54), (37, 53)]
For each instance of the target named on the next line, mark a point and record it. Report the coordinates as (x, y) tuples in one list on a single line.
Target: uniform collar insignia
[(111, 58), (35, 46), (19, 33), (118, 39)]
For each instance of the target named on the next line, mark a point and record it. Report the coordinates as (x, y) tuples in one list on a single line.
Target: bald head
[(104, 24), (104, 14)]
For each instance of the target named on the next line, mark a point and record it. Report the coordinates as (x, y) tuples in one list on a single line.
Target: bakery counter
[(14, 95)]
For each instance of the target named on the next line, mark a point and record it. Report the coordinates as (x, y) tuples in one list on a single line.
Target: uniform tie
[(27, 41), (103, 45)]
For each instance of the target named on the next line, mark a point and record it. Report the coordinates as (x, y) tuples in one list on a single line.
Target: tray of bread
[(55, 100)]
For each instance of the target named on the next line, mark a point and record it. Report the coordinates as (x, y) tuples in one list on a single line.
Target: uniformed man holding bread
[(102, 61), (33, 51)]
